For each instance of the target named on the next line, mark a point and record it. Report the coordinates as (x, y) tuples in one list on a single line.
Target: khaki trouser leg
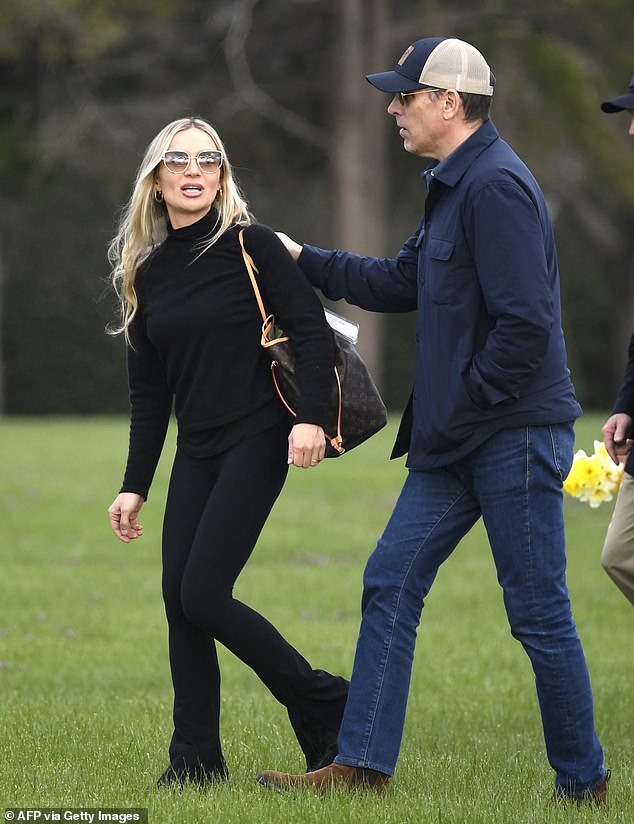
[(617, 558)]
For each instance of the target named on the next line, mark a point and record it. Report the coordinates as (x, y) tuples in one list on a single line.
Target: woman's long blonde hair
[(143, 224)]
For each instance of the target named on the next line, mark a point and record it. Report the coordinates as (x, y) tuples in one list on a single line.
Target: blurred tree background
[(86, 84)]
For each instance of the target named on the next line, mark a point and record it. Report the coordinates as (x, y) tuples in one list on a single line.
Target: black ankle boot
[(318, 743), (184, 771)]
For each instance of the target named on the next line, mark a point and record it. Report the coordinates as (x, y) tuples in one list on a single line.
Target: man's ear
[(451, 104)]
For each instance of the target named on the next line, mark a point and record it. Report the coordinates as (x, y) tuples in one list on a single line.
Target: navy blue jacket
[(481, 271), (625, 398)]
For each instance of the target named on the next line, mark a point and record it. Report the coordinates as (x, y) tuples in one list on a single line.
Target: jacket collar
[(450, 170)]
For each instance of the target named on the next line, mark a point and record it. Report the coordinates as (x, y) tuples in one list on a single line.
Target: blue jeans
[(514, 481)]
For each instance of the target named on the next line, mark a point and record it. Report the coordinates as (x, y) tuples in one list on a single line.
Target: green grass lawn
[(85, 693)]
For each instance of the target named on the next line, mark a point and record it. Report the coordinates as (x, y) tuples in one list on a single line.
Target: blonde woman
[(192, 324)]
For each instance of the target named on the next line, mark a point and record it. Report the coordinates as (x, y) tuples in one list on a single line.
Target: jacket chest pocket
[(440, 270)]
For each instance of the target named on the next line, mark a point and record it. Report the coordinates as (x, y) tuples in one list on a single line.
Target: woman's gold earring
[(158, 196)]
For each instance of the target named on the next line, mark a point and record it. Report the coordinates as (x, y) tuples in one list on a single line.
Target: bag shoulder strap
[(252, 269), (335, 442)]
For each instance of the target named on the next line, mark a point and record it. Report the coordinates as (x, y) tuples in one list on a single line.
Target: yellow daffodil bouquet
[(594, 478)]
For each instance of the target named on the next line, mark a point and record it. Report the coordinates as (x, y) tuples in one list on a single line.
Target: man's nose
[(395, 106)]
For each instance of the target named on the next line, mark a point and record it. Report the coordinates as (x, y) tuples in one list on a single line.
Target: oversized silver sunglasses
[(177, 161)]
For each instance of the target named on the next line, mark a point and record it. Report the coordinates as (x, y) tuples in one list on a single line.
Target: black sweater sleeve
[(150, 407), (288, 295)]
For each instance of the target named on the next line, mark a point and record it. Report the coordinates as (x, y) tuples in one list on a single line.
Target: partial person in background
[(489, 426), (617, 557), (193, 326)]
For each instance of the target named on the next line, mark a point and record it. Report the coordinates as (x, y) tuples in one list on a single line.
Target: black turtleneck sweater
[(196, 342)]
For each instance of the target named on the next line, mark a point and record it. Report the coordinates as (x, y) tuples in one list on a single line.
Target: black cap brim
[(393, 82), (619, 104)]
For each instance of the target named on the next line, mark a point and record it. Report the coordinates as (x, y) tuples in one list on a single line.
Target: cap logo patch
[(405, 55)]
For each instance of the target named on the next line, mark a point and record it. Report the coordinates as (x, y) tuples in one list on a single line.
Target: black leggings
[(216, 508)]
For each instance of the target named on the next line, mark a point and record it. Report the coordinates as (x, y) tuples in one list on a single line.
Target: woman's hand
[(123, 515), (306, 445)]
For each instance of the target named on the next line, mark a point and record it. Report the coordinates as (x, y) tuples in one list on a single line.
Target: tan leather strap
[(251, 268), (268, 323)]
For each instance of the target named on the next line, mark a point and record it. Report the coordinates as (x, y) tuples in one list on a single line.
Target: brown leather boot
[(597, 795), (324, 779)]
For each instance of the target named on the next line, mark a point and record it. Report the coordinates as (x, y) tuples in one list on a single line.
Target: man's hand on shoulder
[(293, 248)]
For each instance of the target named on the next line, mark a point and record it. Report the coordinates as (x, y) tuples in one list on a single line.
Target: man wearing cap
[(488, 429), (617, 557)]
